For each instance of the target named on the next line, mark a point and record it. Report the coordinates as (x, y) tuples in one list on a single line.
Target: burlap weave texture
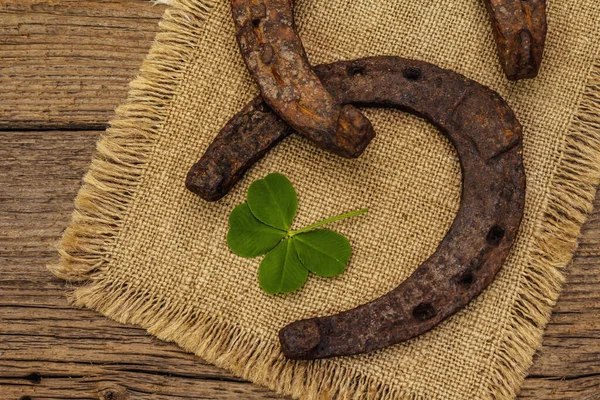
[(153, 254)]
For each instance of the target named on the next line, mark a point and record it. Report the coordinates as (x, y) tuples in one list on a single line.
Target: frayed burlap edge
[(569, 202), (122, 153), (101, 209)]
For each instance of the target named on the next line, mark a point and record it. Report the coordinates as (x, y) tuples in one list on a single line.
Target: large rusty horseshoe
[(276, 59), (488, 140), (519, 28)]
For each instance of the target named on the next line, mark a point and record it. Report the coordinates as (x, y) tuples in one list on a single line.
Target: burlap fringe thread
[(118, 167)]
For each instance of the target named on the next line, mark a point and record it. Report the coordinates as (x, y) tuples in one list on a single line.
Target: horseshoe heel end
[(354, 132), (206, 182), (525, 61), (520, 33), (235, 149), (300, 339)]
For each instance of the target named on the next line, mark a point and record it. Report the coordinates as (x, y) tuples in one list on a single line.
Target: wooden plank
[(51, 350), (67, 63)]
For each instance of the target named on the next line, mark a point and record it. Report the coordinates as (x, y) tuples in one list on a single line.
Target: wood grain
[(49, 350), (67, 63)]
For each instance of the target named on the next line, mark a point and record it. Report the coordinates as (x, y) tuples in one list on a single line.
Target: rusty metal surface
[(488, 140), (276, 59), (519, 28), (244, 140)]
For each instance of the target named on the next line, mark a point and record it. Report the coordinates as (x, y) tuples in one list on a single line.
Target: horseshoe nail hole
[(495, 235), (357, 70), (411, 73), (423, 312), (466, 279), (256, 22), (34, 377)]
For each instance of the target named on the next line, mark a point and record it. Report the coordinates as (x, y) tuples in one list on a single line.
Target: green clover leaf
[(323, 251), (262, 226), (248, 237), (273, 201), (281, 270)]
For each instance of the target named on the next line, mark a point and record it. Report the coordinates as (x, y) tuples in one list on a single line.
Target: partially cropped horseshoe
[(276, 59), (519, 28), (488, 140)]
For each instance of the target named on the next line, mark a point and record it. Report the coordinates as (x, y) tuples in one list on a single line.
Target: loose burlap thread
[(148, 252)]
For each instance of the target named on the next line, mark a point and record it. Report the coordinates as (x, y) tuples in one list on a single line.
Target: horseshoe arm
[(488, 140), (519, 28), (245, 139), (275, 57)]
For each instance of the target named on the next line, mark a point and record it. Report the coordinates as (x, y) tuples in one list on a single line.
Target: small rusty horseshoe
[(488, 140), (520, 33), (275, 57)]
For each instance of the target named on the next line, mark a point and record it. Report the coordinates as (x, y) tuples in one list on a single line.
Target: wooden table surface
[(64, 66)]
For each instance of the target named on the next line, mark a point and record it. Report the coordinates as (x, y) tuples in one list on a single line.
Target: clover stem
[(328, 221)]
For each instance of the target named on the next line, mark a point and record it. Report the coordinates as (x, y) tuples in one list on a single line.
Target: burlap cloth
[(150, 253)]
